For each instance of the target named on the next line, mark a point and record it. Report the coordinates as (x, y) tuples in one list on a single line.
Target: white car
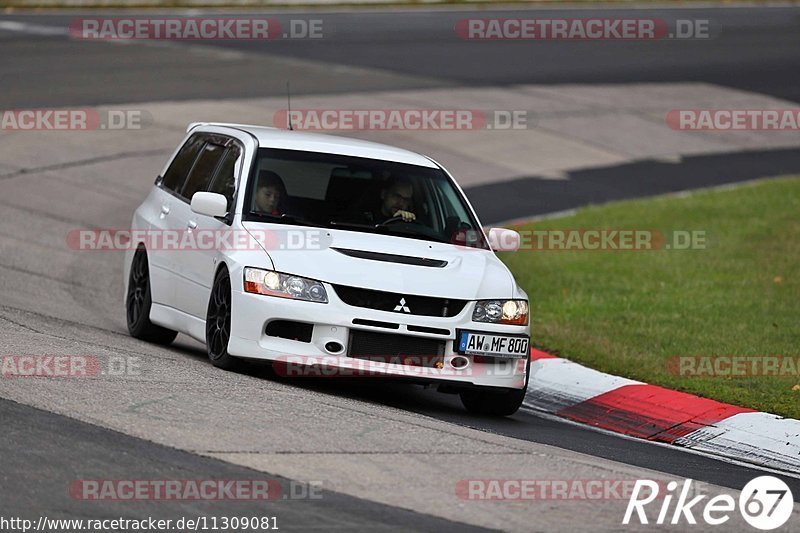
[(327, 252)]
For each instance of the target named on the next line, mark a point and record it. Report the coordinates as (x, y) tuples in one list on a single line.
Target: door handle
[(192, 224)]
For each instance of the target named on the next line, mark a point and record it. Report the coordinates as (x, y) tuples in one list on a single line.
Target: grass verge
[(632, 313)]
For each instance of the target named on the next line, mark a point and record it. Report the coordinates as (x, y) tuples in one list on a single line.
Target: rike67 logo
[(765, 503)]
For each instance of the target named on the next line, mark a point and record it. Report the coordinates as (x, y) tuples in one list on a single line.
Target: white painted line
[(39, 29), (34, 29), (674, 158), (537, 218), (762, 438), (558, 383), (694, 451), (677, 194)]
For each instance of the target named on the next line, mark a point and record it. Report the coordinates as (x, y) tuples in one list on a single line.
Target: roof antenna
[(289, 105)]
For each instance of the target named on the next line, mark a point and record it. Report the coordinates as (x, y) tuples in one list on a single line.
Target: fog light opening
[(334, 347), (458, 362)]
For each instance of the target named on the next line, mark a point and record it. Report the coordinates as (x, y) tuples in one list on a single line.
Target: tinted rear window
[(203, 170), (225, 181), (177, 171)]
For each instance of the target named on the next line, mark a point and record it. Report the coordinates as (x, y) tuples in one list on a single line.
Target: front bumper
[(334, 322)]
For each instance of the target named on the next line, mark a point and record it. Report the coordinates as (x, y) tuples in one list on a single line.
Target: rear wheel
[(218, 323), (138, 302)]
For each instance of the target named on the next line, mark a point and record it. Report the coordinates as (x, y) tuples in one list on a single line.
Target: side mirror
[(504, 240), (210, 204)]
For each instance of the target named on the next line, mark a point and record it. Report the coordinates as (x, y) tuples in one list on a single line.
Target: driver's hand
[(407, 216)]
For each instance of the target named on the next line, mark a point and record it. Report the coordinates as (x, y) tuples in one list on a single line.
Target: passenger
[(270, 193)]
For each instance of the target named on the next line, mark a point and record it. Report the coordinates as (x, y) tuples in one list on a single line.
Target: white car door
[(187, 257), (206, 259), (161, 222)]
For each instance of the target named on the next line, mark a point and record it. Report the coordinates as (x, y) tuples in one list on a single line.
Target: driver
[(396, 201)]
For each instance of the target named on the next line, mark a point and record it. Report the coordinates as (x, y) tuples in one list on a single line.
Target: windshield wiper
[(287, 219), (354, 225), (387, 230)]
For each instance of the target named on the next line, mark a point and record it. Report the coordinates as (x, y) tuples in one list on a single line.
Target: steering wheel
[(413, 227), (392, 220)]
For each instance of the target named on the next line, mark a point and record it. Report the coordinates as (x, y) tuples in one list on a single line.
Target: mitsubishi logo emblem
[(402, 306)]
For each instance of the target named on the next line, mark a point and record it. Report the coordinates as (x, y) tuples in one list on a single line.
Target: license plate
[(475, 343)]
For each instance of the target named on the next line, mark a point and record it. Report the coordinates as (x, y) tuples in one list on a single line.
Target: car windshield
[(359, 194)]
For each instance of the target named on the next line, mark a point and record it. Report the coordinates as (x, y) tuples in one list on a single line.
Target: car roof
[(330, 144)]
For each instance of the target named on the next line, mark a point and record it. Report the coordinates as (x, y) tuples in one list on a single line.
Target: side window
[(182, 164), (203, 170), (225, 180)]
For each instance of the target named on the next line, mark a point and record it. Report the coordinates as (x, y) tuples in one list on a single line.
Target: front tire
[(504, 402), (482, 402), (138, 302), (218, 323)]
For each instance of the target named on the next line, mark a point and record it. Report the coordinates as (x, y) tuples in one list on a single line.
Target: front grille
[(375, 323), (425, 329), (391, 301), (396, 349)]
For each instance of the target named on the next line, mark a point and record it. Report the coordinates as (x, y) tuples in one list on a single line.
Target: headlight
[(273, 283), (501, 312)]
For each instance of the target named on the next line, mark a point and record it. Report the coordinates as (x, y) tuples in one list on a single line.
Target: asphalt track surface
[(527, 196), (751, 49), (56, 449), (754, 49), (759, 51)]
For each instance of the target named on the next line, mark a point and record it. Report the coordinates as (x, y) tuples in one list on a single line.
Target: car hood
[(469, 274)]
